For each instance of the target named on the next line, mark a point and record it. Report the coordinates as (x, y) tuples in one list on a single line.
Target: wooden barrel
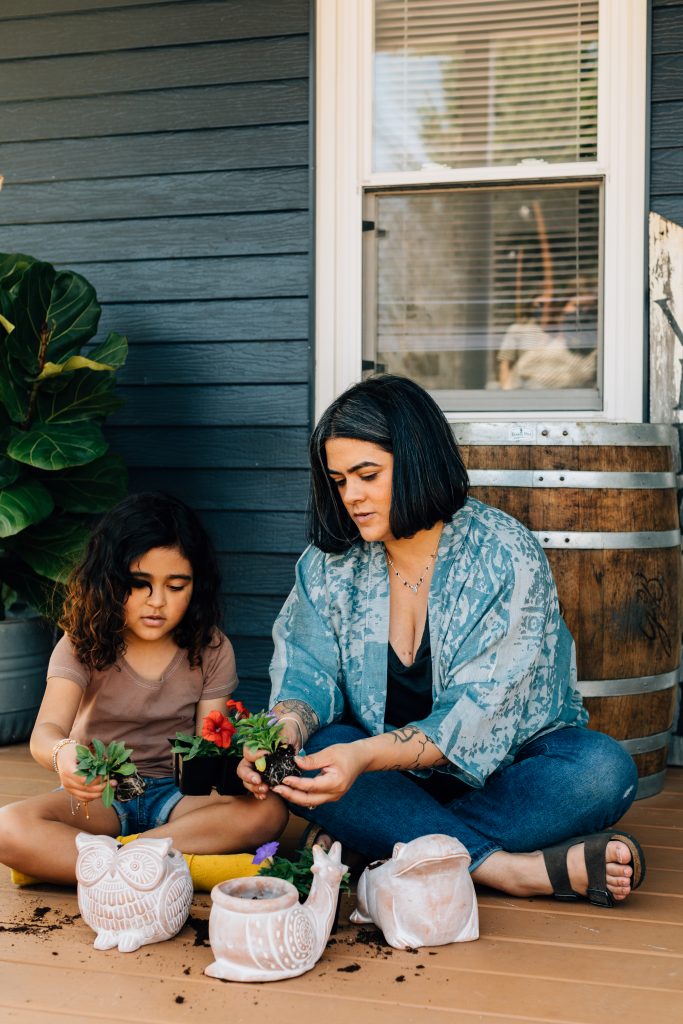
[(601, 499)]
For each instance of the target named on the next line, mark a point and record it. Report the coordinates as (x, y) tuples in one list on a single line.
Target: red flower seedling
[(218, 729)]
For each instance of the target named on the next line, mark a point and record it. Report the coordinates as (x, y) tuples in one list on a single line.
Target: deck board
[(536, 960)]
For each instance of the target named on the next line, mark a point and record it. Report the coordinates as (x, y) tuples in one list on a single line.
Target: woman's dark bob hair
[(429, 481), (94, 613)]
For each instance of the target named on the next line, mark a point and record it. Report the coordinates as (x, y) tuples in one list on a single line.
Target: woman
[(422, 662)]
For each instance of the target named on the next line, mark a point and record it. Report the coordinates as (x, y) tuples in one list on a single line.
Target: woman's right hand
[(74, 784)]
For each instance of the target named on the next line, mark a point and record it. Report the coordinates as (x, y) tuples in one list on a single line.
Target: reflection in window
[(488, 288)]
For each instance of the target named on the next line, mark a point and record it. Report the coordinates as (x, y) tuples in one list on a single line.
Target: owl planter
[(134, 894), (423, 896)]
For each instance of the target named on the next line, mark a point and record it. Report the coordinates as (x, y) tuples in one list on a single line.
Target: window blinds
[(464, 83)]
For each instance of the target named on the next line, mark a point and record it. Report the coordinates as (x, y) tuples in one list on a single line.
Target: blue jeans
[(570, 782), (149, 810)]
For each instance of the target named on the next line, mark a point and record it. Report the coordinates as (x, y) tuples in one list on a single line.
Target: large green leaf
[(92, 488), (36, 591), (53, 548), (72, 363), (9, 471), (54, 314), (85, 396), (13, 265), (57, 445), (113, 350), (23, 504)]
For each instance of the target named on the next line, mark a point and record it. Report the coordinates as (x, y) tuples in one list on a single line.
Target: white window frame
[(344, 38)]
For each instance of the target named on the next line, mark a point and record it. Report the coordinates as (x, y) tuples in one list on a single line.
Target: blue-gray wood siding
[(161, 148), (666, 111)]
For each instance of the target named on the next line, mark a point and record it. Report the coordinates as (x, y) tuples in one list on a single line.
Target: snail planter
[(259, 931)]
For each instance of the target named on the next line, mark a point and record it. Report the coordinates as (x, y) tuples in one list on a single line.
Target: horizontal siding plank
[(246, 319), (256, 531), (667, 77), (110, 73), (163, 237), (667, 30), (219, 149), (212, 447), (666, 121), (666, 171), (230, 490), (160, 25), (223, 278), (670, 207), (247, 362), (267, 405), (254, 693), (212, 107), (156, 196), (250, 615), (271, 574), (25, 8)]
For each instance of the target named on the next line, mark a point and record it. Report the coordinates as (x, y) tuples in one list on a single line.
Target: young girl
[(141, 659)]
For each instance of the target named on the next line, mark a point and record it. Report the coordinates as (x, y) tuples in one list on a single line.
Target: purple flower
[(265, 852), (272, 718)]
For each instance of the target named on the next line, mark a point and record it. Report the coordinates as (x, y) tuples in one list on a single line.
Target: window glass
[(462, 83), (488, 289)]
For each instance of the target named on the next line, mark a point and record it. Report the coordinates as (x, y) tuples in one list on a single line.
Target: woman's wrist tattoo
[(411, 733), (310, 722)]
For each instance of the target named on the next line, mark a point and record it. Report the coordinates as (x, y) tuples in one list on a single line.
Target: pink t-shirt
[(119, 704)]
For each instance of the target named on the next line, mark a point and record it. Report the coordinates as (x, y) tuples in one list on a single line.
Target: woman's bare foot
[(525, 874)]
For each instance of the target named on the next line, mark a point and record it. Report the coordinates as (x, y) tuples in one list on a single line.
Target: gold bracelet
[(55, 750)]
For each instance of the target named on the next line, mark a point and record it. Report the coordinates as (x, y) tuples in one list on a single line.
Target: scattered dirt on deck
[(37, 925), (201, 930)]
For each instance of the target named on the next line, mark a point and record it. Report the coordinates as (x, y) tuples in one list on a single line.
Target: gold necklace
[(406, 583)]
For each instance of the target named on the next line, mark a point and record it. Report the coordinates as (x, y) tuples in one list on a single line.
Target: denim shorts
[(150, 809)]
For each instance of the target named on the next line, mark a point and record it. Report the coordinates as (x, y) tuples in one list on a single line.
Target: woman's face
[(362, 474)]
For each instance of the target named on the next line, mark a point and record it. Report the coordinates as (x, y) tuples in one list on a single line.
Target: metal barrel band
[(565, 433), (599, 541), (648, 785), (624, 687), (646, 744), (570, 478)]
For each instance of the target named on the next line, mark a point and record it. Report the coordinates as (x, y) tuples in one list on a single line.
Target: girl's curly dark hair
[(93, 614)]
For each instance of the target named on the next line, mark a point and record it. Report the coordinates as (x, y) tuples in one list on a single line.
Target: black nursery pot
[(229, 782), (198, 776)]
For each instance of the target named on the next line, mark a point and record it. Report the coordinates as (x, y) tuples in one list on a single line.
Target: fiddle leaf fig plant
[(55, 467)]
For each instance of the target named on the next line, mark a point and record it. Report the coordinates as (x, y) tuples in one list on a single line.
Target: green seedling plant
[(298, 871), (100, 763), (260, 732), (194, 746)]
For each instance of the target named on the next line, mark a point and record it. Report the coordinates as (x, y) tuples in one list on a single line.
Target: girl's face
[(362, 474), (157, 604)]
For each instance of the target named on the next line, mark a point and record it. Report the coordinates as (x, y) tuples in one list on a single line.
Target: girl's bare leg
[(223, 824), (38, 835)]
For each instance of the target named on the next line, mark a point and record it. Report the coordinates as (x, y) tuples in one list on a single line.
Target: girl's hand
[(74, 784), (339, 766)]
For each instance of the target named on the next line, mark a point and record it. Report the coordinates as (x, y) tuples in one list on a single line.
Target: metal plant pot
[(25, 647)]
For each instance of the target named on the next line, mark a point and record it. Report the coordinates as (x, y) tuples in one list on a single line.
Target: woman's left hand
[(339, 766)]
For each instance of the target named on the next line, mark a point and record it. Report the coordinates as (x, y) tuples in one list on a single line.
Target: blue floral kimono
[(503, 662)]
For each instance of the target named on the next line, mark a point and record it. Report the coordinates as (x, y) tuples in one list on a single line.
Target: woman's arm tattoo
[(411, 733), (310, 722)]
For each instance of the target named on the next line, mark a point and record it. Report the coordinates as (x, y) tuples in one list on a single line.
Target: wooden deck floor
[(536, 960)]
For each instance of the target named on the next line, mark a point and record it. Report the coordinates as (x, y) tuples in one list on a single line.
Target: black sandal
[(312, 834), (555, 858)]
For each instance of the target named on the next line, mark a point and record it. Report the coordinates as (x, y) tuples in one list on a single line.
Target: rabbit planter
[(423, 896), (259, 931), (134, 894)]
